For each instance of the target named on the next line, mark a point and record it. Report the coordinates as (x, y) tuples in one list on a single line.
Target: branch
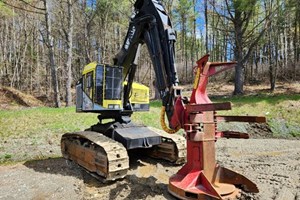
[(224, 30), (253, 44), (222, 22), (19, 8), (228, 10), (247, 19), (221, 15), (46, 42), (43, 9), (268, 16)]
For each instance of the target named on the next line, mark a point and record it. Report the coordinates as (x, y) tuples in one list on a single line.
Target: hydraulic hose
[(163, 123)]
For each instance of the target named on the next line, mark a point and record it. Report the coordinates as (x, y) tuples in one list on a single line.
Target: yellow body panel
[(139, 94), (197, 78), (90, 67)]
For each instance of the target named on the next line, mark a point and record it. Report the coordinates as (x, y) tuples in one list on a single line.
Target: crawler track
[(172, 148), (107, 159), (97, 153)]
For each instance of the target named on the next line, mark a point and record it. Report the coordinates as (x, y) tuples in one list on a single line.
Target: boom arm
[(151, 25)]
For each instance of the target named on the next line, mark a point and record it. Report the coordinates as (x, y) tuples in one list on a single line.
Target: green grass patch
[(37, 121), (279, 109), (282, 111), (35, 133)]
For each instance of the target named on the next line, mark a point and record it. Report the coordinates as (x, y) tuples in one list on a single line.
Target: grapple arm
[(151, 25)]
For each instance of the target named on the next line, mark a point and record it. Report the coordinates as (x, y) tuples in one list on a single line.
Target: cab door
[(89, 85)]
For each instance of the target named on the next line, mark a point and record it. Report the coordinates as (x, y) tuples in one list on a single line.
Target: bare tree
[(49, 42), (69, 42), (31, 39)]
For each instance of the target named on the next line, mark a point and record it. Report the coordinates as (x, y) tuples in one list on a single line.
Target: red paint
[(201, 177)]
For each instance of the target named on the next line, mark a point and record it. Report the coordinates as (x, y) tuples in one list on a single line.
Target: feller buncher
[(109, 90)]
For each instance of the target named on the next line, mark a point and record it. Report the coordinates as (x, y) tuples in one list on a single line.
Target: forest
[(49, 151), (44, 44)]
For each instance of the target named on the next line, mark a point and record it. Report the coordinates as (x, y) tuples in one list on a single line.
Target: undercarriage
[(102, 149)]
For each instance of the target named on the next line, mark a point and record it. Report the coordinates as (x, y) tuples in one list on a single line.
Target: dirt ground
[(273, 164)]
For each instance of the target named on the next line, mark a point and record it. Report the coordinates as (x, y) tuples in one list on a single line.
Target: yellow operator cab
[(101, 87)]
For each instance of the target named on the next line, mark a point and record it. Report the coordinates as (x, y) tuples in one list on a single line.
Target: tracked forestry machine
[(109, 90)]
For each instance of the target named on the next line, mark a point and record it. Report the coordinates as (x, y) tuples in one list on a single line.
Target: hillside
[(11, 98)]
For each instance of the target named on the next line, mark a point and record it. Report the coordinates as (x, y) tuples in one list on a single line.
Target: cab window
[(99, 85), (88, 84)]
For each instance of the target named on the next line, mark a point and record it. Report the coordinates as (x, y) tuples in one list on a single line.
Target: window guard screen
[(113, 83)]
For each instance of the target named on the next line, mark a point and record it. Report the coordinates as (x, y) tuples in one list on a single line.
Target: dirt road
[(274, 164)]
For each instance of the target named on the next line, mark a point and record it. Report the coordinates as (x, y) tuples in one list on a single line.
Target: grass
[(279, 109), (35, 133), (282, 111), (36, 121)]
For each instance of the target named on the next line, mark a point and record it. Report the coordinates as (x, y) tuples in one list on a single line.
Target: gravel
[(273, 164)]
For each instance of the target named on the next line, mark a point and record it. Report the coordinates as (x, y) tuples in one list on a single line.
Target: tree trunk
[(239, 79), (69, 52), (272, 41), (51, 55), (38, 74), (296, 22), (239, 69), (87, 42), (206, 24)]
